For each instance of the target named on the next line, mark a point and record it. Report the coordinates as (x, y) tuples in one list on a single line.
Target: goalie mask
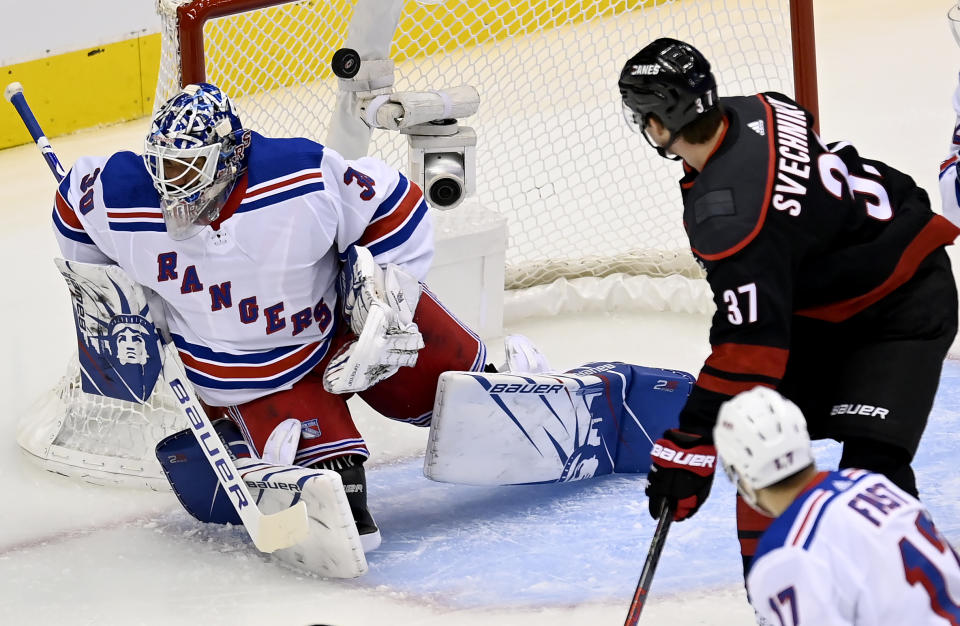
[(761, 438), (195, 152), (669, 79)]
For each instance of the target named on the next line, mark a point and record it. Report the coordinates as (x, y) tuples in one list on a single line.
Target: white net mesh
[(583, 195), (100, 439)]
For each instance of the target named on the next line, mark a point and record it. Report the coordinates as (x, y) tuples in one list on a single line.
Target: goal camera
[(445, 165)]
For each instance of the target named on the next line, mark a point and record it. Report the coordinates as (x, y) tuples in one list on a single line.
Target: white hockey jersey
[(250, 300), (949, 184), (855, 549)]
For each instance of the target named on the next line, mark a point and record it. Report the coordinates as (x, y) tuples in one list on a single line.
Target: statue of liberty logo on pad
[(117, 342)]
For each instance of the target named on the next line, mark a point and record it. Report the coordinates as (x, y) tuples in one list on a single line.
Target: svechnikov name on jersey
[(793, 156)]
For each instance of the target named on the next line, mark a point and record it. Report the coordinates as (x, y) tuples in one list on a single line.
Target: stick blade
[(281, 530)]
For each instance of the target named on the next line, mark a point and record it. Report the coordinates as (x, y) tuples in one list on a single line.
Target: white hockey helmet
[(761, 438)]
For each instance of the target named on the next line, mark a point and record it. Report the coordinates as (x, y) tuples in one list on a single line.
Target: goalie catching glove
[(379, 306), (681, 474)]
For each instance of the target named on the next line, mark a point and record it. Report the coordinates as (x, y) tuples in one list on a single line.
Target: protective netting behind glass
[(583, 195)]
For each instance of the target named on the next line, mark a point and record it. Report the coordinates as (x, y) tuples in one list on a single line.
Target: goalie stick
[(653, 557), (268, 532), (14, 95)]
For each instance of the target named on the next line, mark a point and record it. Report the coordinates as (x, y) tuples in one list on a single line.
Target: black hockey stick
[(653, 557)]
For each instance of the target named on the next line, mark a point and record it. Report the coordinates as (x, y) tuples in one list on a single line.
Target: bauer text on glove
[(681, 473)]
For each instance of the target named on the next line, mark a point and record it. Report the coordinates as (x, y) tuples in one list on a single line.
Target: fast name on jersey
[(793, 163), (876, 502)]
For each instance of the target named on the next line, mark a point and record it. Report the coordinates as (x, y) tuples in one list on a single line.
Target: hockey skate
[(354, 478)]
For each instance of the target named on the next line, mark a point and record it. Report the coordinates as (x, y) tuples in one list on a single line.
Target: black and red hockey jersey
[(787, 226)]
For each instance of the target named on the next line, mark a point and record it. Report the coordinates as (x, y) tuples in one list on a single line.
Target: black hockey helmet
[(668, 78)]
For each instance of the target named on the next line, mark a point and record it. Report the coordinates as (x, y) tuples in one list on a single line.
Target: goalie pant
[(327, 427)]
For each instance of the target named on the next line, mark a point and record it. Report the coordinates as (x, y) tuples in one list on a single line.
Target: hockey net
[(584, 197)]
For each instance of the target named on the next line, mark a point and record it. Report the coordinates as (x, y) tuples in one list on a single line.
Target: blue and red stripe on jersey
[(136, 219), (798, 525), (66, 221), (281, 188), (395, 219), (946, 164), (269, 369)]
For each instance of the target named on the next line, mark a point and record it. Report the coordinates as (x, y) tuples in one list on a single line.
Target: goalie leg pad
[(332, 547), (652, 400), (193, 479), (508, 429)]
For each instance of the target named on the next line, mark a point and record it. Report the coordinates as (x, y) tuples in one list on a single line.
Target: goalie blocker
[(514, 428)]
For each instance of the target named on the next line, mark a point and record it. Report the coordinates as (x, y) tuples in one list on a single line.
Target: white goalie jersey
[(854, 549), (949, 183), (250, 301)]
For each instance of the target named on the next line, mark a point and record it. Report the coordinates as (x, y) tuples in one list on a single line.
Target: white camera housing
[(444, 165)]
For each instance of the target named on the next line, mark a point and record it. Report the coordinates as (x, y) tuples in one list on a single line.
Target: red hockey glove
[(681, 474)]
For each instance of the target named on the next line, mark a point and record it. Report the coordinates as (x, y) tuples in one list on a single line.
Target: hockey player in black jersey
[(828, 271)]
